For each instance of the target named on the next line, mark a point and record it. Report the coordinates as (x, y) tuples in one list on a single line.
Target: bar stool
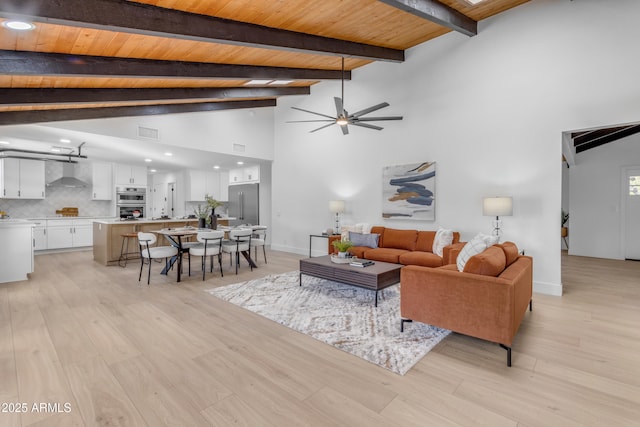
[(124, 248)]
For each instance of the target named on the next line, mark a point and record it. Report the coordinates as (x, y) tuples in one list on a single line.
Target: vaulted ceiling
[(110, 58)]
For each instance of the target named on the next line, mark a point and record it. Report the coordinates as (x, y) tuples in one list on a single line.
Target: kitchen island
[(107, 235), (16, 252)]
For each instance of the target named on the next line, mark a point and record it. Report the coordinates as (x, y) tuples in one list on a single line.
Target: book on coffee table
[(355, 262)]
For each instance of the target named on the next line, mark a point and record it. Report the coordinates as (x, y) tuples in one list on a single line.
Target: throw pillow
[(444, 237), (471, 248), (360, 239), (490, 262)]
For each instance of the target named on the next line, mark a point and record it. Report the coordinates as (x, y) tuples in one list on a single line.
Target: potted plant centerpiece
[(213, 204), (342, 246), (202, 213)]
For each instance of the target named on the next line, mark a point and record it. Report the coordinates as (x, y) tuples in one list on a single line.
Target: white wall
[(489, 109), (596, 198)]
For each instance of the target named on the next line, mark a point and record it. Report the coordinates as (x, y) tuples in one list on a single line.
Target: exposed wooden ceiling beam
[(37, 63), (21, 97), (585, 137), (608, 137), (136, 18), (40, 116), (437, 12)]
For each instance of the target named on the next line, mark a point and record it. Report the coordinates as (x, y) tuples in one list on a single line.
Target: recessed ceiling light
[(258, 82), (241, 163), (474, 2), (19, 25), (148, 160), (216, 167), (55, 150), (65, 140), (281, 82), (152, 170), (168, 154)]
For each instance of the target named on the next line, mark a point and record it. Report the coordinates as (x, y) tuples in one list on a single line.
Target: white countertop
[(10, 222), (141, 221)]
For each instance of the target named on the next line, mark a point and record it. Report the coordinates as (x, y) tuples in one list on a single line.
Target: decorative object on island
[(342, 246), (408, 191), (337, 207), (343, 118), (497, 206), (564, 231), (213, 204), (202, 213)]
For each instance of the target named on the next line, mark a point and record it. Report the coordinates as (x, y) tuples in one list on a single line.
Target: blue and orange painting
[(408, 191)]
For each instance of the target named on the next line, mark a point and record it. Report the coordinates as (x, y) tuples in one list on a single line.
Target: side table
[(330, 238)]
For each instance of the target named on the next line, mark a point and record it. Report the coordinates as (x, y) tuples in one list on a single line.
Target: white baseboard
[(554, 289)]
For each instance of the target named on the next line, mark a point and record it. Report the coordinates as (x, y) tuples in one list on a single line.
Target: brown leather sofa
[(487, 300), (407, 247)]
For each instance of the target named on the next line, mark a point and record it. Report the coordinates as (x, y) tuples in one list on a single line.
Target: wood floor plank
[(171, 354)]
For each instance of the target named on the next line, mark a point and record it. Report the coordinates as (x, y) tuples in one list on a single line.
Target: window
[(634, 185)]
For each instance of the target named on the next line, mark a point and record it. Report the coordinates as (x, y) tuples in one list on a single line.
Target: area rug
[(340, 315)]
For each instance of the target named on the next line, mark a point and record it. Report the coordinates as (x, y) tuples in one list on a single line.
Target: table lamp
[(337, 207), (497, 206)]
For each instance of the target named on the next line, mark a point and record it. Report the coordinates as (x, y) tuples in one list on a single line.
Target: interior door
[(631, 188), (159, 200)]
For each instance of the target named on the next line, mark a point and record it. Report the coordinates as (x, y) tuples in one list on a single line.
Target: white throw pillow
[(473, 247), (444, 237)]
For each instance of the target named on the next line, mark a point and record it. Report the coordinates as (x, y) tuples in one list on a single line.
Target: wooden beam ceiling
[(583, 141), (40, 116), (22, 97), (439, 13), (137, 18)]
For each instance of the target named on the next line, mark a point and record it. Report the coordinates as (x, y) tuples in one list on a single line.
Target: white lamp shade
[(497, 206), (336, 206)]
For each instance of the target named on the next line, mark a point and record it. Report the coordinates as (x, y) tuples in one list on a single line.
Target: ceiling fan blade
[(309, 121), (313, 112), (321, 127), (370, 109), (365, 125), (373, 119), (339, 106), (345, 129)]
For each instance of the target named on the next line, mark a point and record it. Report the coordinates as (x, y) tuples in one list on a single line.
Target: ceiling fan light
[(342, 121)]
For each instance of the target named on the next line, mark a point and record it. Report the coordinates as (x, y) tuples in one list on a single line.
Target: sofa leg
[(402, 323), (531, 305), (508, 353)]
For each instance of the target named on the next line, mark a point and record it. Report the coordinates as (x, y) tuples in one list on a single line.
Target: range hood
[(68, 180)]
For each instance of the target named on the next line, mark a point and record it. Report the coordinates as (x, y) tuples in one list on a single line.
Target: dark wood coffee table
[(375, 277)]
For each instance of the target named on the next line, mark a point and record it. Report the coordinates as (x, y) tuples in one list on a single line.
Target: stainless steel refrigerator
[(244, 202)]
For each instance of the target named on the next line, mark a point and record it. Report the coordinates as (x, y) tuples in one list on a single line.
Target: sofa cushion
[(384, 254), (424, 241), (425, 259), (400, 239), (360, 239), (444, 237), (358, 251), (490, 262), (471, 248), (510, 251), (377, 229)]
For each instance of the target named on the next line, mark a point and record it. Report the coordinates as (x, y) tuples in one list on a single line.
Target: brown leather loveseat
[(487, 300)]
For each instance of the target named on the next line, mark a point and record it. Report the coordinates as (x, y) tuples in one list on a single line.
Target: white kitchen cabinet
[(102, 175), (246, 175), (69, 233), (202, 183), (224, 187), (16, 258), (129, 174), (22, 179), (40, 235)]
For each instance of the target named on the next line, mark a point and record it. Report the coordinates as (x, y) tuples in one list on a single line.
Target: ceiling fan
[(343, 118)]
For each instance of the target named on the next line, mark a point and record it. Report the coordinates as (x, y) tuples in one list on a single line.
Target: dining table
[(177, 237)]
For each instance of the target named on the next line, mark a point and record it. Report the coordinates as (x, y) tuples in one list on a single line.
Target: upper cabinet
[(128, 174), (244, 175), (22, 179), (102, 181), (202, 183)]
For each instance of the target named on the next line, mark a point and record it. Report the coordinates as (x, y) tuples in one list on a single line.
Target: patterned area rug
[(338, 314)]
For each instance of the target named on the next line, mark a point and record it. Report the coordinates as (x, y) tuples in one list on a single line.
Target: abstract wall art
[(408, 191)]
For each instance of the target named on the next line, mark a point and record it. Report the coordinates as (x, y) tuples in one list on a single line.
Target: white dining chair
[(259, 238), (239, 241), (149, 252), (209, 244)]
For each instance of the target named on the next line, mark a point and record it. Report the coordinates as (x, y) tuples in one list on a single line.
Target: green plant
[(213, 203), (565, 217), (342, 245), (201, 212)]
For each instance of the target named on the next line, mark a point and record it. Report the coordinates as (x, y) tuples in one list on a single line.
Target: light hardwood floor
[(120, 354)]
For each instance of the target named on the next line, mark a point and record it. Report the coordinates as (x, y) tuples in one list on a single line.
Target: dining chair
[(209, 244), (259, 238), (239, 241), (145, 241)]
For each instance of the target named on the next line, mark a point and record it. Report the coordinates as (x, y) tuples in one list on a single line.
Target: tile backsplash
[(59, 197)]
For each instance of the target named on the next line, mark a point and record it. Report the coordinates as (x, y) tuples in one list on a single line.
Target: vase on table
[(201, 222), (214, 222)]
